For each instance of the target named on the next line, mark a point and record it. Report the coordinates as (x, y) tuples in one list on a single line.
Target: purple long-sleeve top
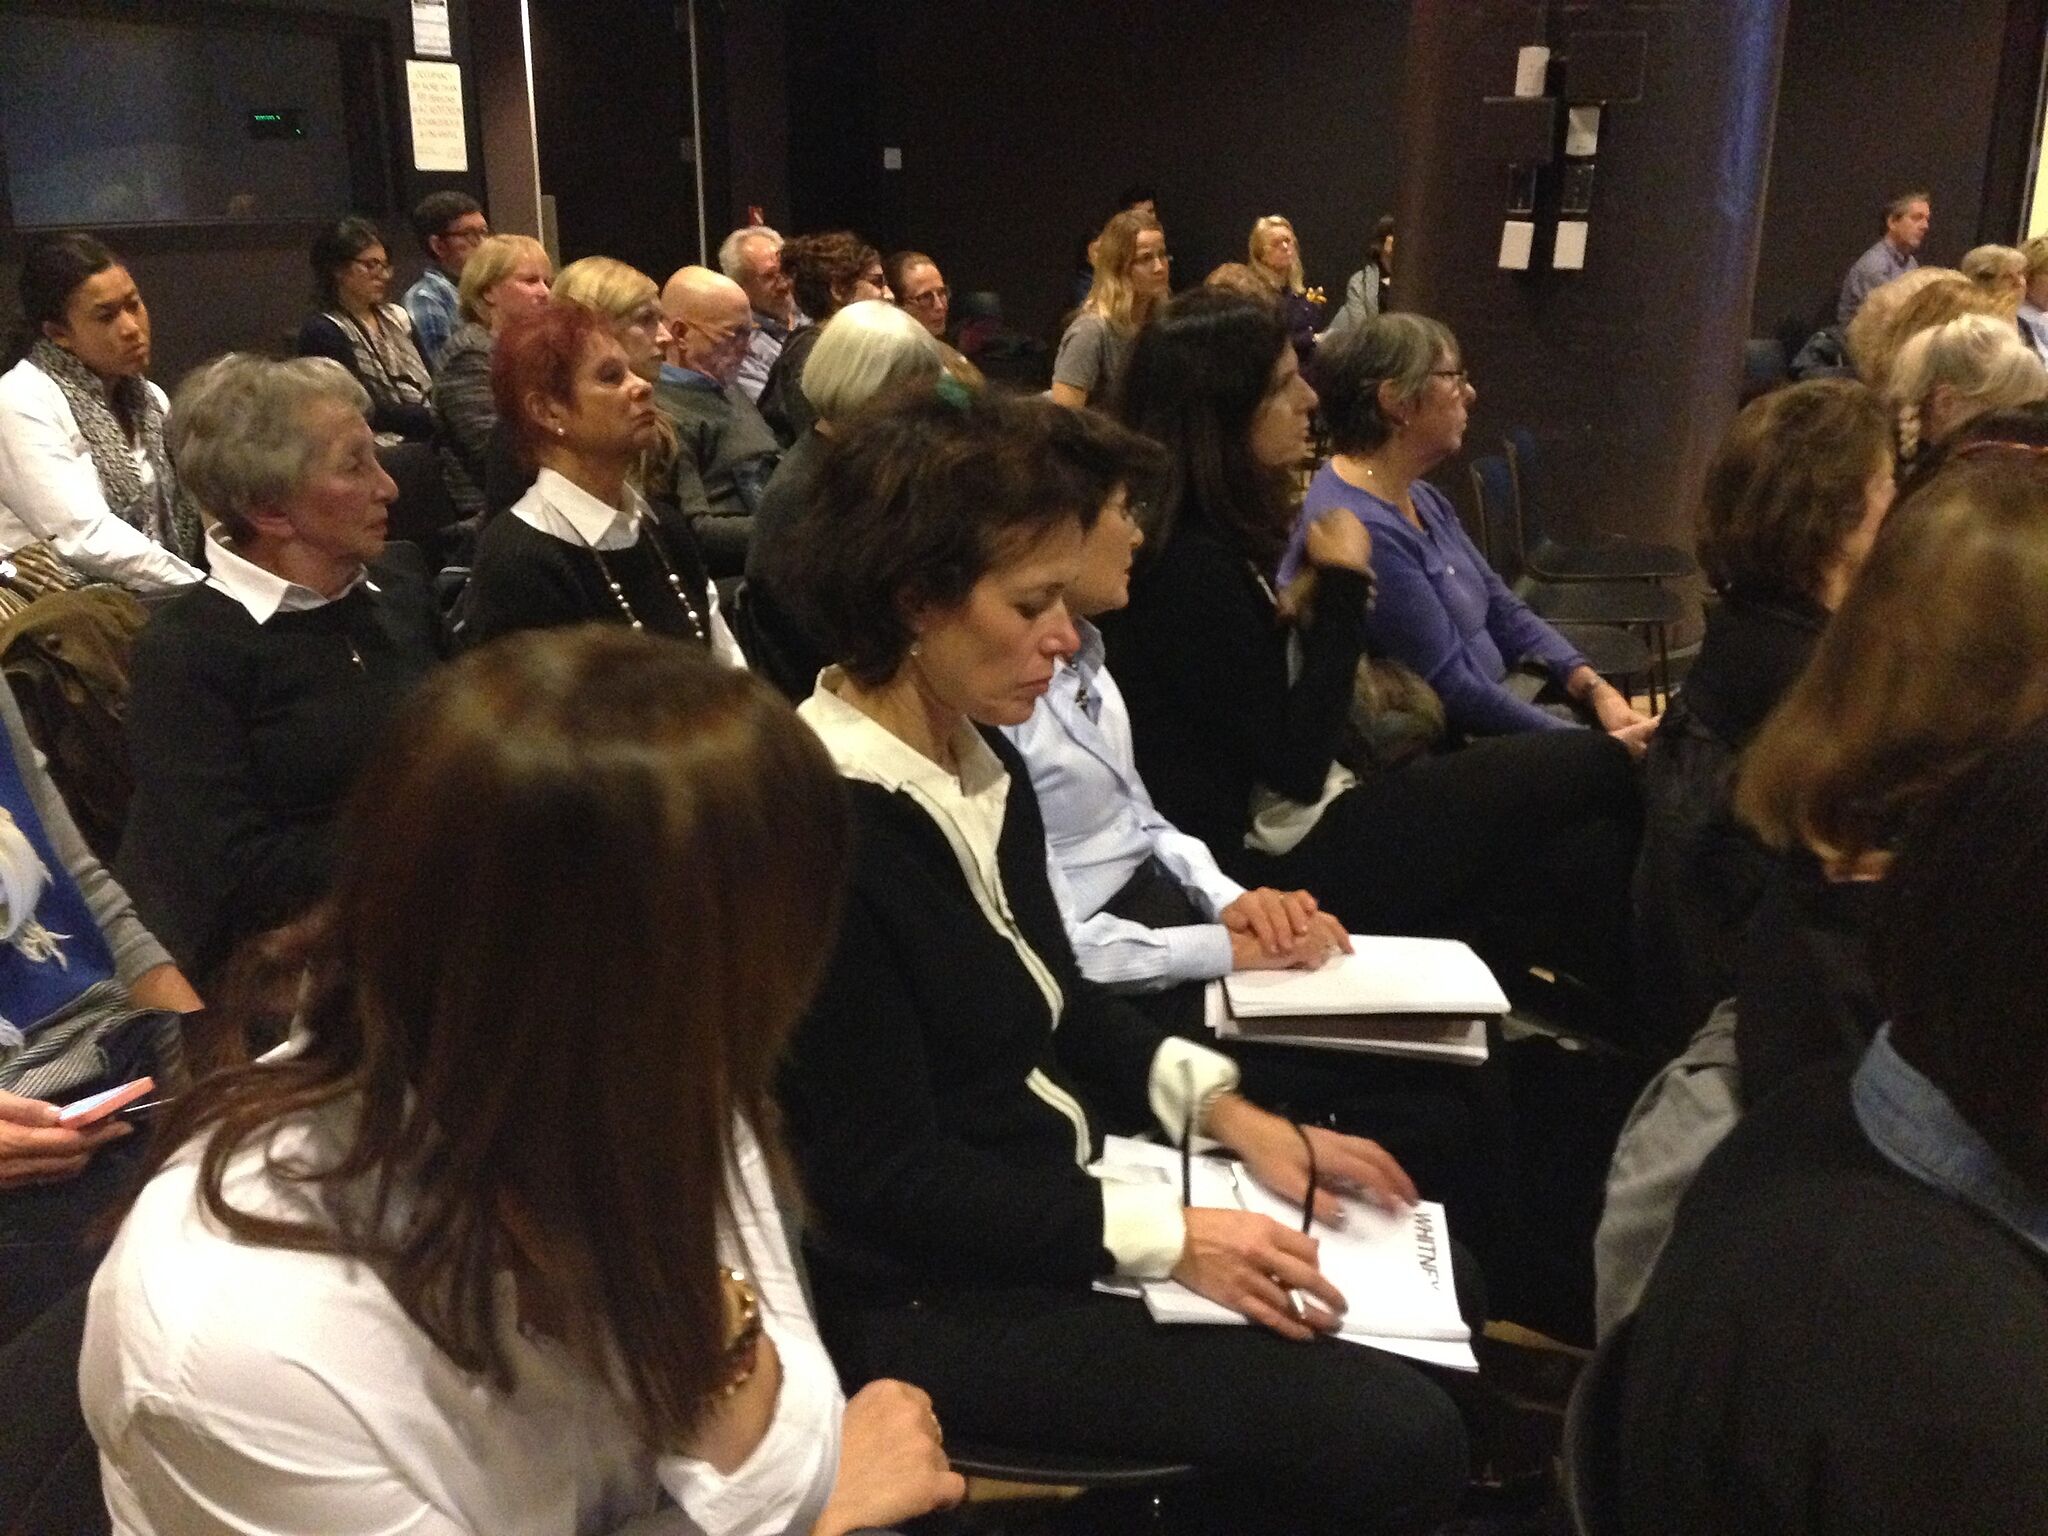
[(1441, 610)]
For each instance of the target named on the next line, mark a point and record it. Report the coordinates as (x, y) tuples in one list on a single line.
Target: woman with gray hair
[(1950, 374), (866, 349), (1396, 394), (257, 694)]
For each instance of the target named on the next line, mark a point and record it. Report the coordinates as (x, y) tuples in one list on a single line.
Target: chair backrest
[(1493, 492), (1525, 476), (1591, 1453), (424, 506)]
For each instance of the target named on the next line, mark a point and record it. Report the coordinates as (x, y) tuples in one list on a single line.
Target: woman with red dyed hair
[(583, 543)]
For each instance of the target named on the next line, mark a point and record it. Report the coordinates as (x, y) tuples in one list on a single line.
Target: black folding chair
[(1611, 557)]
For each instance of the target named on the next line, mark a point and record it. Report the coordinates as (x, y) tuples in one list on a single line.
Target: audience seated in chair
[(1274, 253), (450, 227), (1938, 655), (83, 467), (752, 257), (471, 1281), (1370, 292), (504, 277), (1792, 504), (952, 1081), (369, 337), (724, 450), (258, 695), (1900, 310), (1396, 394), (826, 273), (1849, 1328), (919, 288), (869, 348), (1242, 707), (584, 544), (1133, 273)]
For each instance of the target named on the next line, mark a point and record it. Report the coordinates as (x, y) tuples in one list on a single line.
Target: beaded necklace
[(675, 585)]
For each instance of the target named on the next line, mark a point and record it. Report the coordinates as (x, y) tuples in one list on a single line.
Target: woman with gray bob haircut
[(257, 694), (868, 349)]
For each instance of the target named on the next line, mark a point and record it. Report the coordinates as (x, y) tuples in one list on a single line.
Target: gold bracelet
[(742, 1351)]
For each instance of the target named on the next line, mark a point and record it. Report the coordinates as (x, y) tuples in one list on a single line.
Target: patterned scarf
[(164, 513)]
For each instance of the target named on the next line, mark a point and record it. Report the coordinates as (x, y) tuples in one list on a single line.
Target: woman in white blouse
[(497, 1250), (82, 461)]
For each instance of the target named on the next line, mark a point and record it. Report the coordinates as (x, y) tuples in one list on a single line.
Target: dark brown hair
[(1788, 486), (582, 894), (921, 494), (1938, 654), (1959, 951), (819, 265)]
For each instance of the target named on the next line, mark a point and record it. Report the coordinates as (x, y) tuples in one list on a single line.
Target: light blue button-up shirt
[(1101, 827)]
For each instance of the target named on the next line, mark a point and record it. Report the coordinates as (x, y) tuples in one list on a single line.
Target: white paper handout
[(1393, 1268), (1380, 975)]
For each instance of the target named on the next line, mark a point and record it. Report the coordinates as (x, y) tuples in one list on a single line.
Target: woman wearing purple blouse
[(1396, 395)]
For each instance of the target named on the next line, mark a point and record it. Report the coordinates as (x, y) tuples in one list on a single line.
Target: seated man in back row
[(725, 451)]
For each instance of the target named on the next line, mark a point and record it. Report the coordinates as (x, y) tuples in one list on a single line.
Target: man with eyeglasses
[(725, 451), (449, 225), (752, 257), (920, 288)]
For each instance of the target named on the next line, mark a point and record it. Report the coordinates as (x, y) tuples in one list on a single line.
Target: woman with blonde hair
[(1924, 298), (505, 276), (1946, 376), (1132, 274), (1276, 256), (2001, 271)]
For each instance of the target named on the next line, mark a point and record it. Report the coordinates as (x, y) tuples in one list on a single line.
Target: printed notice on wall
[(430, 29), (438, 140)]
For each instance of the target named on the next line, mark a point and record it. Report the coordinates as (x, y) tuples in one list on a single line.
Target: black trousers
[(1523, 846), (1323, 1436)]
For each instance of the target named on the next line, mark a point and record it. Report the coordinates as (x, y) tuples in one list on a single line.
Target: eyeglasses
[(372, 268), (1456, 375), (470, 234), (929, 300)]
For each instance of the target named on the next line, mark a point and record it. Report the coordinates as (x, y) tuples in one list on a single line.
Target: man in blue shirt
[(1906, 218), (449, 225)]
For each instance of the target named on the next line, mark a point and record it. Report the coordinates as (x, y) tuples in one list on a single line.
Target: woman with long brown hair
[(497, 1250)]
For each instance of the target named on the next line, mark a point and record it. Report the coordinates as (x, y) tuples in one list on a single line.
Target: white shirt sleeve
[(784, 1483), (49, 484), (1115, 952), (724, 645)]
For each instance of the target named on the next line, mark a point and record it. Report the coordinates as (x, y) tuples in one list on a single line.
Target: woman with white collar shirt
[(583, 544), (431, 1275), (949, 1089), (83, 465), (257, 695)]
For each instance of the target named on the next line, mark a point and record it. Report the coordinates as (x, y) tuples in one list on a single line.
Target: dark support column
[(1626, 372)]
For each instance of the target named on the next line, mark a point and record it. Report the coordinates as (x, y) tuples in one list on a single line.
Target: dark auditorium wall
[(211, 287), (1019, 123), (1878, 96)]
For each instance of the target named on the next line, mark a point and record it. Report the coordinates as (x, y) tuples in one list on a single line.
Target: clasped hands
[(1252, 1263), (1281, 930)]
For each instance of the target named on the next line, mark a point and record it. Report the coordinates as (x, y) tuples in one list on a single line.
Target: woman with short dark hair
[(827, 273), (497, 1248), (372, 339), (950, 1087), (1792, 503), (1242, 699), (584, 544), (83, 465)]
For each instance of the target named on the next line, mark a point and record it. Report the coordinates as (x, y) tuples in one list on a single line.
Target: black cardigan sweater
[(245, 737), (1201, 656), (1829, 1345), (929, 1162), (526, 579)]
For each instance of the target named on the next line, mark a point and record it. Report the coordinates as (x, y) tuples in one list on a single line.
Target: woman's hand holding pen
[(1250, 1263)]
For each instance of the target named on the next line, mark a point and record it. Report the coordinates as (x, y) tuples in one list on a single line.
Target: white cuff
[(1184, 1076), (1142, 1228)]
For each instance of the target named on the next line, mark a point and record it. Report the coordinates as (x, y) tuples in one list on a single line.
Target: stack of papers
[(1392, 1268), (1426, 998)]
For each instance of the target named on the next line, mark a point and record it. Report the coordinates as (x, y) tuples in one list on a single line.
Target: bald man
[(725, 450)]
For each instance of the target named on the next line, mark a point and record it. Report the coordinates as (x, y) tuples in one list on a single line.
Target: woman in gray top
[(505, 276), (1132, 273)]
